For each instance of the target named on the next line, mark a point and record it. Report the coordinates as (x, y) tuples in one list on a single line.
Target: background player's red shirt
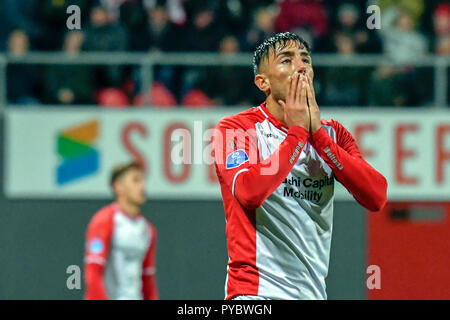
[(120, 256)]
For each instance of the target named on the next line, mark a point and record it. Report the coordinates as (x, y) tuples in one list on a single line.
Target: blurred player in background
[(276, 165), (121, 243)]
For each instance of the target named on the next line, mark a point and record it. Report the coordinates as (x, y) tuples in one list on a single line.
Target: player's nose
[(300, 67)]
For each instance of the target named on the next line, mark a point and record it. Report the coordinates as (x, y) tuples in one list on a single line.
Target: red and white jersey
[(277, 187), (120, 256)]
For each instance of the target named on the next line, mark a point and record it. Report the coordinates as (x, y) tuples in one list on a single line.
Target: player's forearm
[(254, 185), (95, 289), (366, 184)]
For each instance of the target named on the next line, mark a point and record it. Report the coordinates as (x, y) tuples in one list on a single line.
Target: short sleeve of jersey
[(98, 237)]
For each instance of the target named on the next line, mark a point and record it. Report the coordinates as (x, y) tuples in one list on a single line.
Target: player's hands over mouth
[(313, 107), (296, 111)]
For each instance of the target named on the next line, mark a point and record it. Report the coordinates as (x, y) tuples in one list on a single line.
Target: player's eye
[(286, 61), (306, 60)]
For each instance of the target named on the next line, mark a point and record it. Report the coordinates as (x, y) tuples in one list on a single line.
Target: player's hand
[(313, 107), (296, 112)]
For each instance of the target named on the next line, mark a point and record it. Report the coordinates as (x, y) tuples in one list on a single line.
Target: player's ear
[(262, 82), (117, 187)]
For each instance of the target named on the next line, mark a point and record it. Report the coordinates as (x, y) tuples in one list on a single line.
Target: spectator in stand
[(159, 34), (203, 33), (242, 92), (308, 18), (443, 49), (237, 15), (414, 7), (441, 19), (132, 16), (441, 22), (23, 79), (104, 34), (350, 22), (402, 41), (175, 9), (113, 7), (20, 15), (53, 15), (262, 27), (78, 88), (343, 84)]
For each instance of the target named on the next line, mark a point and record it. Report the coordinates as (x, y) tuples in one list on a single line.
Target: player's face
[(282, 63), (132, 187)]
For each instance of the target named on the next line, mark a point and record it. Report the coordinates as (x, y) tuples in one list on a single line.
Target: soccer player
[(276, 165), (121, 243)]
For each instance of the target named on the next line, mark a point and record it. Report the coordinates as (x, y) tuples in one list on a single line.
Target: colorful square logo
[(76, 146)]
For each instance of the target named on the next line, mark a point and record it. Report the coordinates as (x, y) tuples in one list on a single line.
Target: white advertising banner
[(69, 153)]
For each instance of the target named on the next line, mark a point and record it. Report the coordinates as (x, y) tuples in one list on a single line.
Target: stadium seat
[(160, 97), (197, 99), (112, 98)]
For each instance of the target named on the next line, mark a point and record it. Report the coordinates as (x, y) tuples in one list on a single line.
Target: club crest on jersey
[(236, 158), (96, 246)]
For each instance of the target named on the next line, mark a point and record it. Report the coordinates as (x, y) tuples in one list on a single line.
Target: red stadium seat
[(160, 97), (197, 99), (112, 98)]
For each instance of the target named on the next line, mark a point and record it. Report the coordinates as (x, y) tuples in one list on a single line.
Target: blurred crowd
[(410, 29)]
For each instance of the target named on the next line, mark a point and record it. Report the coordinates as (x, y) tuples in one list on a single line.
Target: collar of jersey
[(126, 214), (277, 123)]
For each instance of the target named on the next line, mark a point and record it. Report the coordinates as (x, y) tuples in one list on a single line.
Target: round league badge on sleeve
[(236, 158), (96, 246)]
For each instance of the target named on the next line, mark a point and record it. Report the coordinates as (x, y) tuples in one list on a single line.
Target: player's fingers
[(298, 88), (289, 89), (301, 80), (311, 84), (295, 81), (303, 94), (309, 95), (311, 104)]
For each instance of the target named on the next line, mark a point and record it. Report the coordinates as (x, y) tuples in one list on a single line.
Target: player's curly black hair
[(262, 51)]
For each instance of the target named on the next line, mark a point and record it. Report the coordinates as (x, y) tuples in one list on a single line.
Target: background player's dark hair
[(262, 51), (119, 170)]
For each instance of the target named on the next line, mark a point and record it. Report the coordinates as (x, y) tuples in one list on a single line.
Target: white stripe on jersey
[(234, 180)]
